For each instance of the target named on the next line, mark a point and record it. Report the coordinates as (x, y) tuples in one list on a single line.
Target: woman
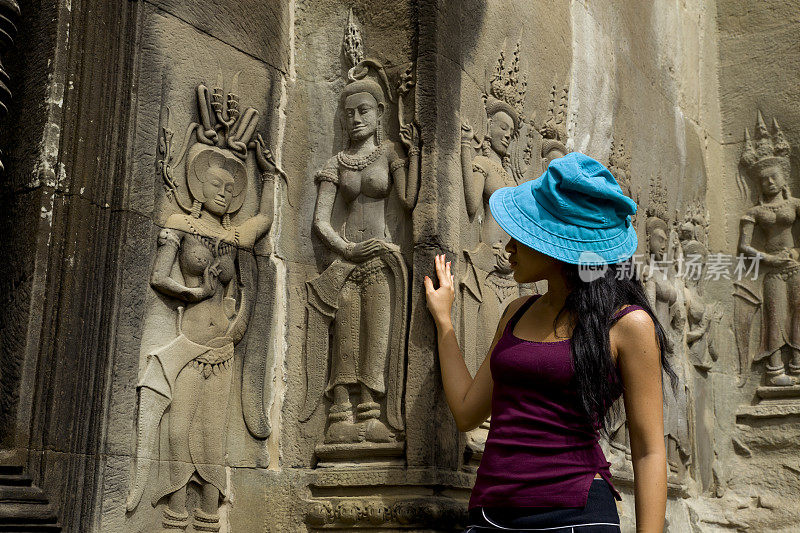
[(542, 467)]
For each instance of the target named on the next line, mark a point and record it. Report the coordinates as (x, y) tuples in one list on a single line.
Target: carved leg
[(376, 324), (176, 518), (204, 521), (367, 406), (210, 498), (776, 291), (794, 309), (776, 374), (374, 429), (341, 428)]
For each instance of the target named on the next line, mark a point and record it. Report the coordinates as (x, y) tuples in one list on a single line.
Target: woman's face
[(772, 180), (528, 264), (501, 129), (218, 191), (361, 113), (658, 243)]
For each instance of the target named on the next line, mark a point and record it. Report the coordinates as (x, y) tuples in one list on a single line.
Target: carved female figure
[(197, 265), (657, 276), (363, 292), (487, 286), (700, 316), (774, 215)]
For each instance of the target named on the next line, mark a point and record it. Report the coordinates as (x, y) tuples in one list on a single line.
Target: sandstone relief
[(385, 513), (497, 159), (702, 318), (359, 301), (766, 162), (619, 164), (205, 273), (554, 130), (9, 15)]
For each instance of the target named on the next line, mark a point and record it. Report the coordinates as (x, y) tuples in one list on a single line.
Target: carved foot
[(794, 367), (205, 522), (376, 431), (343, 432), (174, 522), (368, 410), (777, 376), (339, 412)]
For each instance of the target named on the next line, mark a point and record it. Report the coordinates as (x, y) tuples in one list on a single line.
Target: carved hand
[(409, 135), (265, 158), (781, 259), (440, 301), (359, 252), (467, 133), (207, 287)]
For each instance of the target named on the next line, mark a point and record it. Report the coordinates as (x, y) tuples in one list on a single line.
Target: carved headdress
[(554, 130), (223, 137), (657, 217), (358, 76), (506, 91), (768, 150)]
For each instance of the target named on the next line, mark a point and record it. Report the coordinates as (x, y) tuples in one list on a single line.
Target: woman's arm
[(470, 400), (639, 362)]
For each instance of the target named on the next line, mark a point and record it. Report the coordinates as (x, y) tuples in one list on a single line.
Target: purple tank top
[(541, 450)]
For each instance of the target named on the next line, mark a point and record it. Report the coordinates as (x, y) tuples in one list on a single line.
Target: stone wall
[(221, 224)]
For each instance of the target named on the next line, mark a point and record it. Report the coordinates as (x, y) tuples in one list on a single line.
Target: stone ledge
[(359, 453), (768, 410), (778, 392)]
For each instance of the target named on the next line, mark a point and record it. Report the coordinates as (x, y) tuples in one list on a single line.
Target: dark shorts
[(599, 516)]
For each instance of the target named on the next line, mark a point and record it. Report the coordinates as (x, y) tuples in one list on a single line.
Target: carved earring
[(226, 221), (486, 145), (197, 206), (379, 132)]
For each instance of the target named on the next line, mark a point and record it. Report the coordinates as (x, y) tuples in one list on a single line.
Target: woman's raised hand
[(440, 300)]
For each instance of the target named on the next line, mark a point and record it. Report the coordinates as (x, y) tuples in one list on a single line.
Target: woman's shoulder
[(516, 305), (632, 323), (626, 309)]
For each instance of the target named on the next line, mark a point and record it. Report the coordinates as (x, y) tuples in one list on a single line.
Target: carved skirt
[(196, 420), (361, 327), (781, 300)]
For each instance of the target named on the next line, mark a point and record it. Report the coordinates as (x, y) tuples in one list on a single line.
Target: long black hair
[(591, 306)]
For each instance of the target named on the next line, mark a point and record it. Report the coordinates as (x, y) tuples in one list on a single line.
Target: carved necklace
[(352, 162), (775, 208), (203, 228), (504, 175)]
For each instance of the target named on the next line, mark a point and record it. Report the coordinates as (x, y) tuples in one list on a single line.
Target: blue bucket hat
[(575, 212)]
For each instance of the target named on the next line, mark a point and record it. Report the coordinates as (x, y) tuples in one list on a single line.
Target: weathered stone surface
[(326, 419)]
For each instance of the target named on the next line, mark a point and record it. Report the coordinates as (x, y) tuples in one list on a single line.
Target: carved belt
[(368, 272), (209, 360), (785, 272)]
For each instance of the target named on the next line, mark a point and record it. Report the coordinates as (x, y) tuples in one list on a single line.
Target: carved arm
[(168, 244), (326, 195), (746, 225), (252, 229), (256, 227), (407, 182), (474, 182)]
